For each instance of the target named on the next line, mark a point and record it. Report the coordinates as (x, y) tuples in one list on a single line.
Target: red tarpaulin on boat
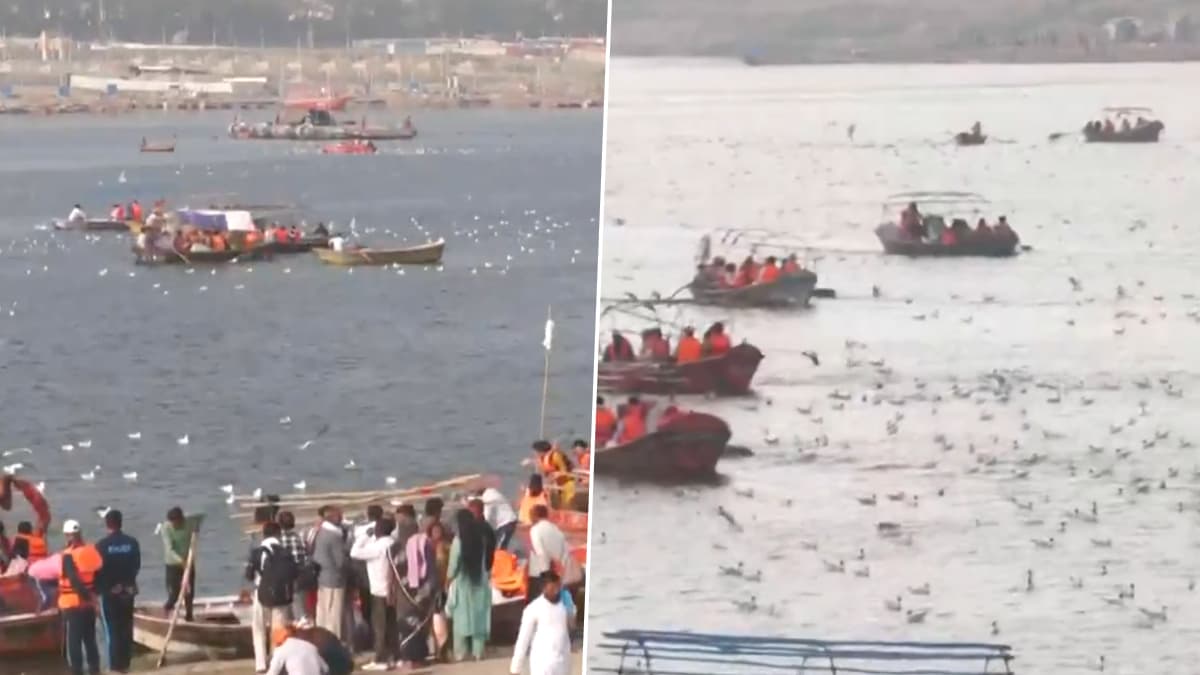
[(36, 500)]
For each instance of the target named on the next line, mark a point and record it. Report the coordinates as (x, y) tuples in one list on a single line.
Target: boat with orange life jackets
[(684, 446), (28, 627), (774, 284), (725, 374), (918, 234)]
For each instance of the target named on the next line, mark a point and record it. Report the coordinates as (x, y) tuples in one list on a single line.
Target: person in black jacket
[(116, 585)]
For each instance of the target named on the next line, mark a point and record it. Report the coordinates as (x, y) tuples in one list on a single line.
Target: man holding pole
[(177, 538)]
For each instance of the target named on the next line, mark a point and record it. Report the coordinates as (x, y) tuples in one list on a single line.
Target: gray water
[(419, 373), (1098, 382)]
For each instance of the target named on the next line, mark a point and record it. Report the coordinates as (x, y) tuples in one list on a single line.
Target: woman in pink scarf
[(415, 601)]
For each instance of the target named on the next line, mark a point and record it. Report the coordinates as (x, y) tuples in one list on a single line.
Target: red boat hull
[(330, 103), (686, 448), (348, 149), (726, 375)]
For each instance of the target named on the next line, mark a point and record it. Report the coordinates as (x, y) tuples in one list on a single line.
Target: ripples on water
[(419, 373), (984, 468)]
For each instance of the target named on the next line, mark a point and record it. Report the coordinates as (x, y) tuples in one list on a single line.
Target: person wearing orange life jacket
[(135, 211), (583, 454), (117, 213), (606, 423), (533, 495), (791, 265), (508, 575), (633, 422), (77, 599), (689, 348), (747, 273), (553, 463), (619, 349), (36, 542), (716, 341), (769, 272), (654, 345)]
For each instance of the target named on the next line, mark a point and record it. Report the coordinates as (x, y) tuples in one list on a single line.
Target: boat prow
[(684, 449)]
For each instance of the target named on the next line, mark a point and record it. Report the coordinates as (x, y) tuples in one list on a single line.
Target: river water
[(1095, 383), (420, 373)]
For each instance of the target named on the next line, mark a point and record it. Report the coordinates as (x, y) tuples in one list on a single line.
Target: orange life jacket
[(660, 348), (528, 502), (37, 546), (548, 466), (606, 424), (585, 460), (769, 273), (118, 213), (790, 267), (633, 427), (135, 212), (718, 343), (508, 576), (690, 350), (87, 562), (619, 351)]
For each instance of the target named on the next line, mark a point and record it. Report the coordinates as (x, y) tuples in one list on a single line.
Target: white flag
[(549, 339)]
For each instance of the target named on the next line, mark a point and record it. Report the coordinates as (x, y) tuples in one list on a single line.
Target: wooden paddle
[(184, 587)]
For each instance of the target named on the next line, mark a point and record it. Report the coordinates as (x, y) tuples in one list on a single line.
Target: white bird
[(158, 528), (302, 485), (257, 494), (350, 466), (130, 475), (67, 447), (91, 475), (390, 480), (103, 511), (85, 444), (183, 440), (17, 451), (227, 489), (121, 178), (285, 420), (13, 468), (230, 499), (305, 445), (135, 436), (41, 487)]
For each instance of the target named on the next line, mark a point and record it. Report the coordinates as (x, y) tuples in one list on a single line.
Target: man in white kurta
[(545, 632)]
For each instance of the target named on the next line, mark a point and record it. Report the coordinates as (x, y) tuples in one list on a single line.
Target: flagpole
[(546, 342)]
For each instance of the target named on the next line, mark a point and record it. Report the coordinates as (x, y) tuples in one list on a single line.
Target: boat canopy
[(1128, 110), (209, 219), (682, 653), (936, 197)]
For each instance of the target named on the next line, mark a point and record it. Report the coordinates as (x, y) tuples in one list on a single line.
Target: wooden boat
[(170, 257), (1144, 129), (791, 290), (966, 138), (726, 375), (25, 629), (93, 225), (685, 448), (221, 629), (692, 653), (895, 242), (164, 146), (425, 254), (302, 245)]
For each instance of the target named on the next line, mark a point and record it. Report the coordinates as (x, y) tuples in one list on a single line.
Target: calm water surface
[(419, 373), (1095, 387)]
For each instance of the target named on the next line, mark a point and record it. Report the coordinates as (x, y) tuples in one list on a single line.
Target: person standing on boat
[(545, 636), (135, 211), (632, 425), (77, 599), (77, 216), (910, 221), (330, 555), (177, 538), (791, 265), (606, 422), (583, 454), (499, 514), (117, 213), (553, 464), (533, 496), (689, 348), (116, 584)]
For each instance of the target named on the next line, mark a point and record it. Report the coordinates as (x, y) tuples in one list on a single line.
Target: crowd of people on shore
[(723, 274), (933, 229), (410, 586), (657, 347)]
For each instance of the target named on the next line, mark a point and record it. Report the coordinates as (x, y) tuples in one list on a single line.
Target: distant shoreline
[(924, 56)]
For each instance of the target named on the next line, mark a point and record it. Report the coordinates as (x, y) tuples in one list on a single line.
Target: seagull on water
[(85, 444), (183, 440), (302, 485), (130, 476), (135, 436)]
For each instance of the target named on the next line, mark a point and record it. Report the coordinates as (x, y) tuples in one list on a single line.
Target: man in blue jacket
[(116, 584)]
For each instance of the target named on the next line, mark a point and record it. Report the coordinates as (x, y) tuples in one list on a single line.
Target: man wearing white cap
[(77, 599)]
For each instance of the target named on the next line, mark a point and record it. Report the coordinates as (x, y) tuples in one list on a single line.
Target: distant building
[(1124, 29)]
